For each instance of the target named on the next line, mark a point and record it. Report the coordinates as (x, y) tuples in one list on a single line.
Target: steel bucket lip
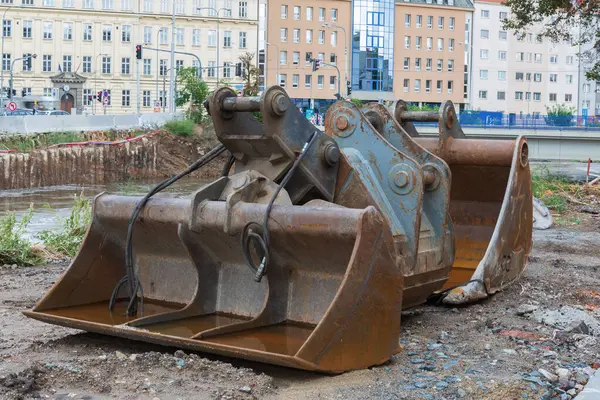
[(130, 333)]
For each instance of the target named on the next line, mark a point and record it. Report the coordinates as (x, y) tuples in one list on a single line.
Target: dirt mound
[(24, 384)]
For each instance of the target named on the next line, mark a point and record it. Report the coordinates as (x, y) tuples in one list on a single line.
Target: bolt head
[(280, 104), (401, 179), (341, 123), (331, 154)]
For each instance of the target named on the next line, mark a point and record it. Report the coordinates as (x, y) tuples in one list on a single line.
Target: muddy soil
[(491, 350)]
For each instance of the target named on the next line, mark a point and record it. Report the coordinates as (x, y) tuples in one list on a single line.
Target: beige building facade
[(301, 30), (87, 46)]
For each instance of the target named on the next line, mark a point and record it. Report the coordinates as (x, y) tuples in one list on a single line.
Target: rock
[(420, 385), (564, 375), (572, 392), (548, 375), (120, 356), (578, 327), (102, 357), (443, 335), (179, 363), (180, 354), (580, 377), (245, 389), (566, 316), (133, 357), (549, 354), (441, 385), (461, 393), (487, 347), (525, 309), (417, 360), (511, 352)]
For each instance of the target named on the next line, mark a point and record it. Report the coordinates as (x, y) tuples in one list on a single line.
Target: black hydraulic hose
[(130, 277), (261, 240)]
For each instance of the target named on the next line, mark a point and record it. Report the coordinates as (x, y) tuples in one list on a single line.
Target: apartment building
[(432, 51), (84, 46), (519, 74), (589, 103), (298, 31)]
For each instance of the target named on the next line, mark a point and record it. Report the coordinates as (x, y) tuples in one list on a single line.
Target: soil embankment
[(152, 156)]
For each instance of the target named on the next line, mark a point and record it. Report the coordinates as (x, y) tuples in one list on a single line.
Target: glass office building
[(372, 45)]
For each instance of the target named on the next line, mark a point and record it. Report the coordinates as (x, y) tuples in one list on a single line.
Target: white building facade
[(89, 45), (519, 75)]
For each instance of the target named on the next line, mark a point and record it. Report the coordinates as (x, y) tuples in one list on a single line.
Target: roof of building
[(442, 3)]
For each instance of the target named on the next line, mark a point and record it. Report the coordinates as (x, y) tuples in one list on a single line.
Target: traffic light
[(138, 51), (23, 92), (348, 88), (238, 69), (316, 63), (99, 96)]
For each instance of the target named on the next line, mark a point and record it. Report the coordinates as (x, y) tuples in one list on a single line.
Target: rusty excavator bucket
[(261, 264), (490, 202)]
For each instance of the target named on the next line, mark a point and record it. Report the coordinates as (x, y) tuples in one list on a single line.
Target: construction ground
[(539, 339)]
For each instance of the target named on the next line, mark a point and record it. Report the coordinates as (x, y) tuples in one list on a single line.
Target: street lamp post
[(327, 25), (2, 71), (277, 77), (11, 71), (172, 81), (157, 62), (218, 13)]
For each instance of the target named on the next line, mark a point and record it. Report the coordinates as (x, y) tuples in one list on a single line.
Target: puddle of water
[(50, 204)]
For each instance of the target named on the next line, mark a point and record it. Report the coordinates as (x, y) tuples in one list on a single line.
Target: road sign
[(12, 106), (105, 101)]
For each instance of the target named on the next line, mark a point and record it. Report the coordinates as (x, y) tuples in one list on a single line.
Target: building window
[(502, 15), (282, 80), (485, 13), (180, 36), (375, 18), (164, 36), (7, 28), (429, 22), (126, 33), (321, 37), (147, 68), (309, 36), (180, 7), (126, 5), (502, 35), (212, 38), (483, 94), (296, 35), (320, 81), (450, 86), (47, 30), (321, 15), (438, 86), (537, 96), (428, 86), (569, 78), (146, 98), (553, 78), (569, 61), (553, 59), (68, 31), (68, 3), (284, 10), (107, 33), (450, 65), (196, 37), (27, 62), (519, 76), (87, 97), (27, 29), (538, 57), (501, 96), (440, 65), (283, 35), (406, 63), (67, 64), (440, 22), (226, 70), (242, 40), (297, 13), (440, 43), (501, 75), (429, 43), (107, 4), (419, 21), (147, 34), (106, 65), (502, 55), (46, 63), (47, 92), (417, 85), (309, 13), (125, 65), (451, 23), (211, 72), (334, 15), (88, 4), (450, 45), (178, 65), (407, 42), (537, 77), (518, 95), (163, 67), (520, 56), (485, 34), (428, 64), (148, 6), (283, 57), (86, 64), (126, 98), (418, 41), (307, 81), (407, 20), (227, 39)]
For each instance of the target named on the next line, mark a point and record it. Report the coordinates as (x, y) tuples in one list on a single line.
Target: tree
[(574, 22), (192, 90), (250, 74)]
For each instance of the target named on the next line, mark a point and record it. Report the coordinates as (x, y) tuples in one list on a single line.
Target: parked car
[(53, 112), (18, 112)]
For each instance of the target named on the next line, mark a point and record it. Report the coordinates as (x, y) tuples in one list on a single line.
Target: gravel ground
[(536, 340)]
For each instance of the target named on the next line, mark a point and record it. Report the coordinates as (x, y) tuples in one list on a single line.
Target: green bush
[(13, 248), (560, 115), (67, 240), (181, 128)]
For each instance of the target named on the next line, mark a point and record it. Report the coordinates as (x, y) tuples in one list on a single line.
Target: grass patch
[(557, 192), (180, 128), (13, 248), (28, 143), (67, 240)]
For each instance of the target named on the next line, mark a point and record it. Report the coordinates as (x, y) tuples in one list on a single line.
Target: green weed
[(68, 239), (180, 128), (14, 249)]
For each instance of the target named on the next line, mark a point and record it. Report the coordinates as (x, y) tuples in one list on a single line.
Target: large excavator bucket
[(329, 299), (490, 203)]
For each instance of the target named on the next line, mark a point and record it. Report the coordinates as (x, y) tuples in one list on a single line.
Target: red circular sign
[(12, 106)]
